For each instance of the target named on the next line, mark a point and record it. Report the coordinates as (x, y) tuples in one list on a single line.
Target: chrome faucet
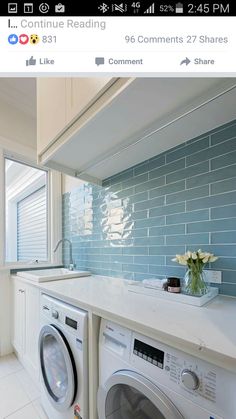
[(71, 263)]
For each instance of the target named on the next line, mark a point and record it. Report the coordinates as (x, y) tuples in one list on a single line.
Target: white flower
[(213, 258), (182, 261), (193, 257)]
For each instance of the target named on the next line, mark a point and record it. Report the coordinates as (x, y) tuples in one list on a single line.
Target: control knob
[(190, 379), (55, 314)]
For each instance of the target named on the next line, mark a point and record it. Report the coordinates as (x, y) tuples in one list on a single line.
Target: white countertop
[(208, 332)]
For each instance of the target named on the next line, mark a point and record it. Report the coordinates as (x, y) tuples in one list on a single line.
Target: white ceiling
[(20, 93)]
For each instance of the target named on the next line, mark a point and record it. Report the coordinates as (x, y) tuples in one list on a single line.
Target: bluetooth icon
[(103, 8)]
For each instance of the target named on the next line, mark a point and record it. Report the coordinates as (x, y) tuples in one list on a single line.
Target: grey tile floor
[(19, 396)]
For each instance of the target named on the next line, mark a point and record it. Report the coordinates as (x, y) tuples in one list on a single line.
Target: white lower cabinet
[(25, 328)]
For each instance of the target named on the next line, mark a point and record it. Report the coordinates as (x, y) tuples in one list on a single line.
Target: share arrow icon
[(185, 61)]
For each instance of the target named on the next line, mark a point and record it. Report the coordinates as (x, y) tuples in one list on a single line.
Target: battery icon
[(179, 8)]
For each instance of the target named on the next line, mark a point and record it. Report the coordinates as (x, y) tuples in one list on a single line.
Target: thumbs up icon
[(31, 61)]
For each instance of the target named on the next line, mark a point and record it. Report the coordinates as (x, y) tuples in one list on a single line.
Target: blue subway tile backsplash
[(134, 224)]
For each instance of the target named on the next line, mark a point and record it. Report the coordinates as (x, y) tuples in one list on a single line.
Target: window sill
[(28, 266)]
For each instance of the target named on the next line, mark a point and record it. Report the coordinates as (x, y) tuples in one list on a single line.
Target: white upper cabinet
[(113, 124), (82, 92), (51, 110), (60, 101)]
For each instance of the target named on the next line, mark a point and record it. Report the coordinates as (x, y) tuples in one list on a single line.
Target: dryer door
[(129, 395), (57, 368)]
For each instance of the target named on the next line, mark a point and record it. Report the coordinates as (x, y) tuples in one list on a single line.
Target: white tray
[(139, 288)]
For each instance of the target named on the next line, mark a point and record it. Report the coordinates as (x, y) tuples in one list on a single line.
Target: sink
[(54, 274)]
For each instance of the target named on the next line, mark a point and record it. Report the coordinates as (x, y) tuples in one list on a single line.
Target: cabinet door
[(19, 317), (51, 110), (82, 92), (32, 330)]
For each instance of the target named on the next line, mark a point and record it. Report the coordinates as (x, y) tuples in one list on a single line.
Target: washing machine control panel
[(180, 371), (150, 354), (191, 376), (190, 379)]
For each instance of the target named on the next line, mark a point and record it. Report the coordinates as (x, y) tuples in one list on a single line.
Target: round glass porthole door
[(57, 367), (128, 395)]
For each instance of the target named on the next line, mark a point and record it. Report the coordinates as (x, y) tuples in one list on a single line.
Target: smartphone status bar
[(108, 8)]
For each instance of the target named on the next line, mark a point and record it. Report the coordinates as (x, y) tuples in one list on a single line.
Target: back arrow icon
[(185, 61)]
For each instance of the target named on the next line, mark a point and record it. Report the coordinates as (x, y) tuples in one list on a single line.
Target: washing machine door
[(129, 395), (57, 368)]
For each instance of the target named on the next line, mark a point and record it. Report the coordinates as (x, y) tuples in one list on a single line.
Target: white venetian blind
[(32, 226)]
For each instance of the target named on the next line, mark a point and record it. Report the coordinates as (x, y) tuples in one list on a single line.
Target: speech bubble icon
[(100, 60)]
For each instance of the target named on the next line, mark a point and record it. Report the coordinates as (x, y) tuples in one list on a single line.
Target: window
[(26, 213)]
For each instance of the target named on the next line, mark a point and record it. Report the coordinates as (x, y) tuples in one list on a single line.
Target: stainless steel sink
[(54, 274)]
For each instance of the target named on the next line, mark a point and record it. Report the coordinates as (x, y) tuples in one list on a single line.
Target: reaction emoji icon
[(23, 39), (34, 39)]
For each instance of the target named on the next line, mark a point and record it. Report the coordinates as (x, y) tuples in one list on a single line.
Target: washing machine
[(63, 357), (140, 378)]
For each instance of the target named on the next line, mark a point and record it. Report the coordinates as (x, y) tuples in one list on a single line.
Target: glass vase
[(195, 283)]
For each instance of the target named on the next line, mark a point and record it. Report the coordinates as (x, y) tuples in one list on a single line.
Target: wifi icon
[(150, 10)]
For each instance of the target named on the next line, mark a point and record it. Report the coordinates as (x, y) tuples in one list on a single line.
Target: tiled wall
[(182, 199)]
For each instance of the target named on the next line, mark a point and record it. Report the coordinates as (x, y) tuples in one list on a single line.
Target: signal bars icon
[(150, 10)]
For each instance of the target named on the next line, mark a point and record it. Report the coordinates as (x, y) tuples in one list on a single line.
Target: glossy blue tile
[(223, 134), (226, 211), (225, 160), (188, 217), (167, 189), (227, 250), (149, 165), (125, 175), (150, 222), (167, 230), (135, 224), (187, 150), (168, 168), (149, 260), (166, 250), (135, 268), (140, 232), (224, 263), (211, 152), (188, 239), (149, 241), (211, 177), (229, 277), (177, 271), (212, 201), (167, 209), (136, 180), (135, 250), (193, 193), (188, 172), (150, 203), (223, 186), (226, 236), (151, 184), (228, 289), (215, 225)]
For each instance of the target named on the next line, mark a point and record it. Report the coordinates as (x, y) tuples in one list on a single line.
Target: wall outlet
[(213, 276)]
